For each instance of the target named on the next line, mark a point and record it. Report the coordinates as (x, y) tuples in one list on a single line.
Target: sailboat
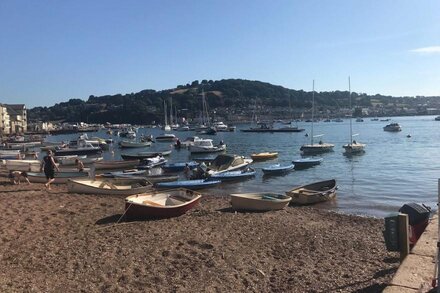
[(353, 147), (205, 127), (166, 126), (320, 147)]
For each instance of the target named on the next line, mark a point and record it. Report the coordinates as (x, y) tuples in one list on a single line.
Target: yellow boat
[(264, 156)]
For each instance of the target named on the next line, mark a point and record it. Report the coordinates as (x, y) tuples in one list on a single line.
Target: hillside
[(229, 96)]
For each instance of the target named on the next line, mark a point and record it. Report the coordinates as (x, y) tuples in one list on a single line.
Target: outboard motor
[(418, 216)]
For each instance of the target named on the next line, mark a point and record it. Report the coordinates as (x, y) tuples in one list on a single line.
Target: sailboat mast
[(171, 111), (165, 112), (313, 110), (351, 111)]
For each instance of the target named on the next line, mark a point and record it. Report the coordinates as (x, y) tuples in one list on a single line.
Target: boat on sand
[(313, 193), (108, 186), (264, 201), (166, 204)]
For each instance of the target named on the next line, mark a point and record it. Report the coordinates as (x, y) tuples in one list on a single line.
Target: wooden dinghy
[(265, 201), (165, 204), (115, 165), (313, 193), (264, 156), (60, 177), (108, 186)]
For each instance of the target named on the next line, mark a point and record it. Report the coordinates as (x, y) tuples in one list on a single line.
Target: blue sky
[(52, 51)]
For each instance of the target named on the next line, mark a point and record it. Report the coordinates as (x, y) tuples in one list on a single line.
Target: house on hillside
[(5, 126), (17, 117)]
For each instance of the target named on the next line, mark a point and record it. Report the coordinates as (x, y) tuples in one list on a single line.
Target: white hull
[(354, 148), (202, 149), (60, 178), (71, 161), (257, 202), (23, 165), (130, 144), (106, 187)]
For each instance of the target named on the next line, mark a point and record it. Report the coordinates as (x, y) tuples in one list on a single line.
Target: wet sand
[(52, 241)]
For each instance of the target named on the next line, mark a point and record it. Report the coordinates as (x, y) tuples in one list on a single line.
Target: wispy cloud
[(426, 50)]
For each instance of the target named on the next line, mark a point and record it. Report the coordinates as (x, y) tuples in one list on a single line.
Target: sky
[(52, 51)]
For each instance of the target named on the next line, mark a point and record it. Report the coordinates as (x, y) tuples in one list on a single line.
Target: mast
[(351, 111), (313, 110), (171, 111), (165, 112)]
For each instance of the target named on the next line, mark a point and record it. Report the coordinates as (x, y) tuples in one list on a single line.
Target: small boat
[(161, 178), (264, 156), (70, 161), (225, 162), (124, 173), (166, 204), (359, 120), (83, 148), (108, 186), (265, 201), (152, 162), (393, 127), (437, 118), (313, 193), (166, 137), (23, 165), (134, 144), (191, 184), (60, 177), (277, 169), (10, 154), (114, 165), (144, 155), (202, 145), (234, 175), (306, 163), (177, 167)]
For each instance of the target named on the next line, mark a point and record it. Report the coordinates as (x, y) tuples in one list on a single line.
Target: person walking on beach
[(187, 171), (48, 165), (79, 165)]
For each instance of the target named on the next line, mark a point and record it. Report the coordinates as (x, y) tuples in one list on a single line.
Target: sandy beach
[(52, 241)]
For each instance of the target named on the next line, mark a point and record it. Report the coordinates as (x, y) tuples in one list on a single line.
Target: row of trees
[(146, 106)]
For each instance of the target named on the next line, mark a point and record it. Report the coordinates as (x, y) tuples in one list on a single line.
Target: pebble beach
[(53, 241)]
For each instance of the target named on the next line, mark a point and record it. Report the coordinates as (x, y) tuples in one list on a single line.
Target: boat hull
[(258, 202), (313, 193), (60, 177), (114, 165), (190, 184), (108, 187), (138, 211), (278, 170)]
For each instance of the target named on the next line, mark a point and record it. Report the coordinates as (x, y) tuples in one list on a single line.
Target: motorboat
[(82, 148), (144, 155), (134, 144), (264, 201), (180, 166), (202, 145), (220, 126), (166, 137), (226, 162), (313, 193), (156, 204), (152, 162), (393, 127)]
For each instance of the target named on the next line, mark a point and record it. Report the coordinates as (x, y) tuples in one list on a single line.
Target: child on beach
[(48, 165), (17, 176), (79, 165)]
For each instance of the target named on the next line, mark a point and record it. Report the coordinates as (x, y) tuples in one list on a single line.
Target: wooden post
[(403, 236)]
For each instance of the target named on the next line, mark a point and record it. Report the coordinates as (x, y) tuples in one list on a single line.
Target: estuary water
[(394, 170)]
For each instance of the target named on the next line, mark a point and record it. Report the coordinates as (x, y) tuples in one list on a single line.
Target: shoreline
[(54, 241)]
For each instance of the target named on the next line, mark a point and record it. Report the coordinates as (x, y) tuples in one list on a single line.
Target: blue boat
[(306, 163), (190, 184), (277, 169), (177, 167), (234, 175)]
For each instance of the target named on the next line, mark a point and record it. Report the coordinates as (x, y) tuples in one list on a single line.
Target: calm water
[(394, 169)]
